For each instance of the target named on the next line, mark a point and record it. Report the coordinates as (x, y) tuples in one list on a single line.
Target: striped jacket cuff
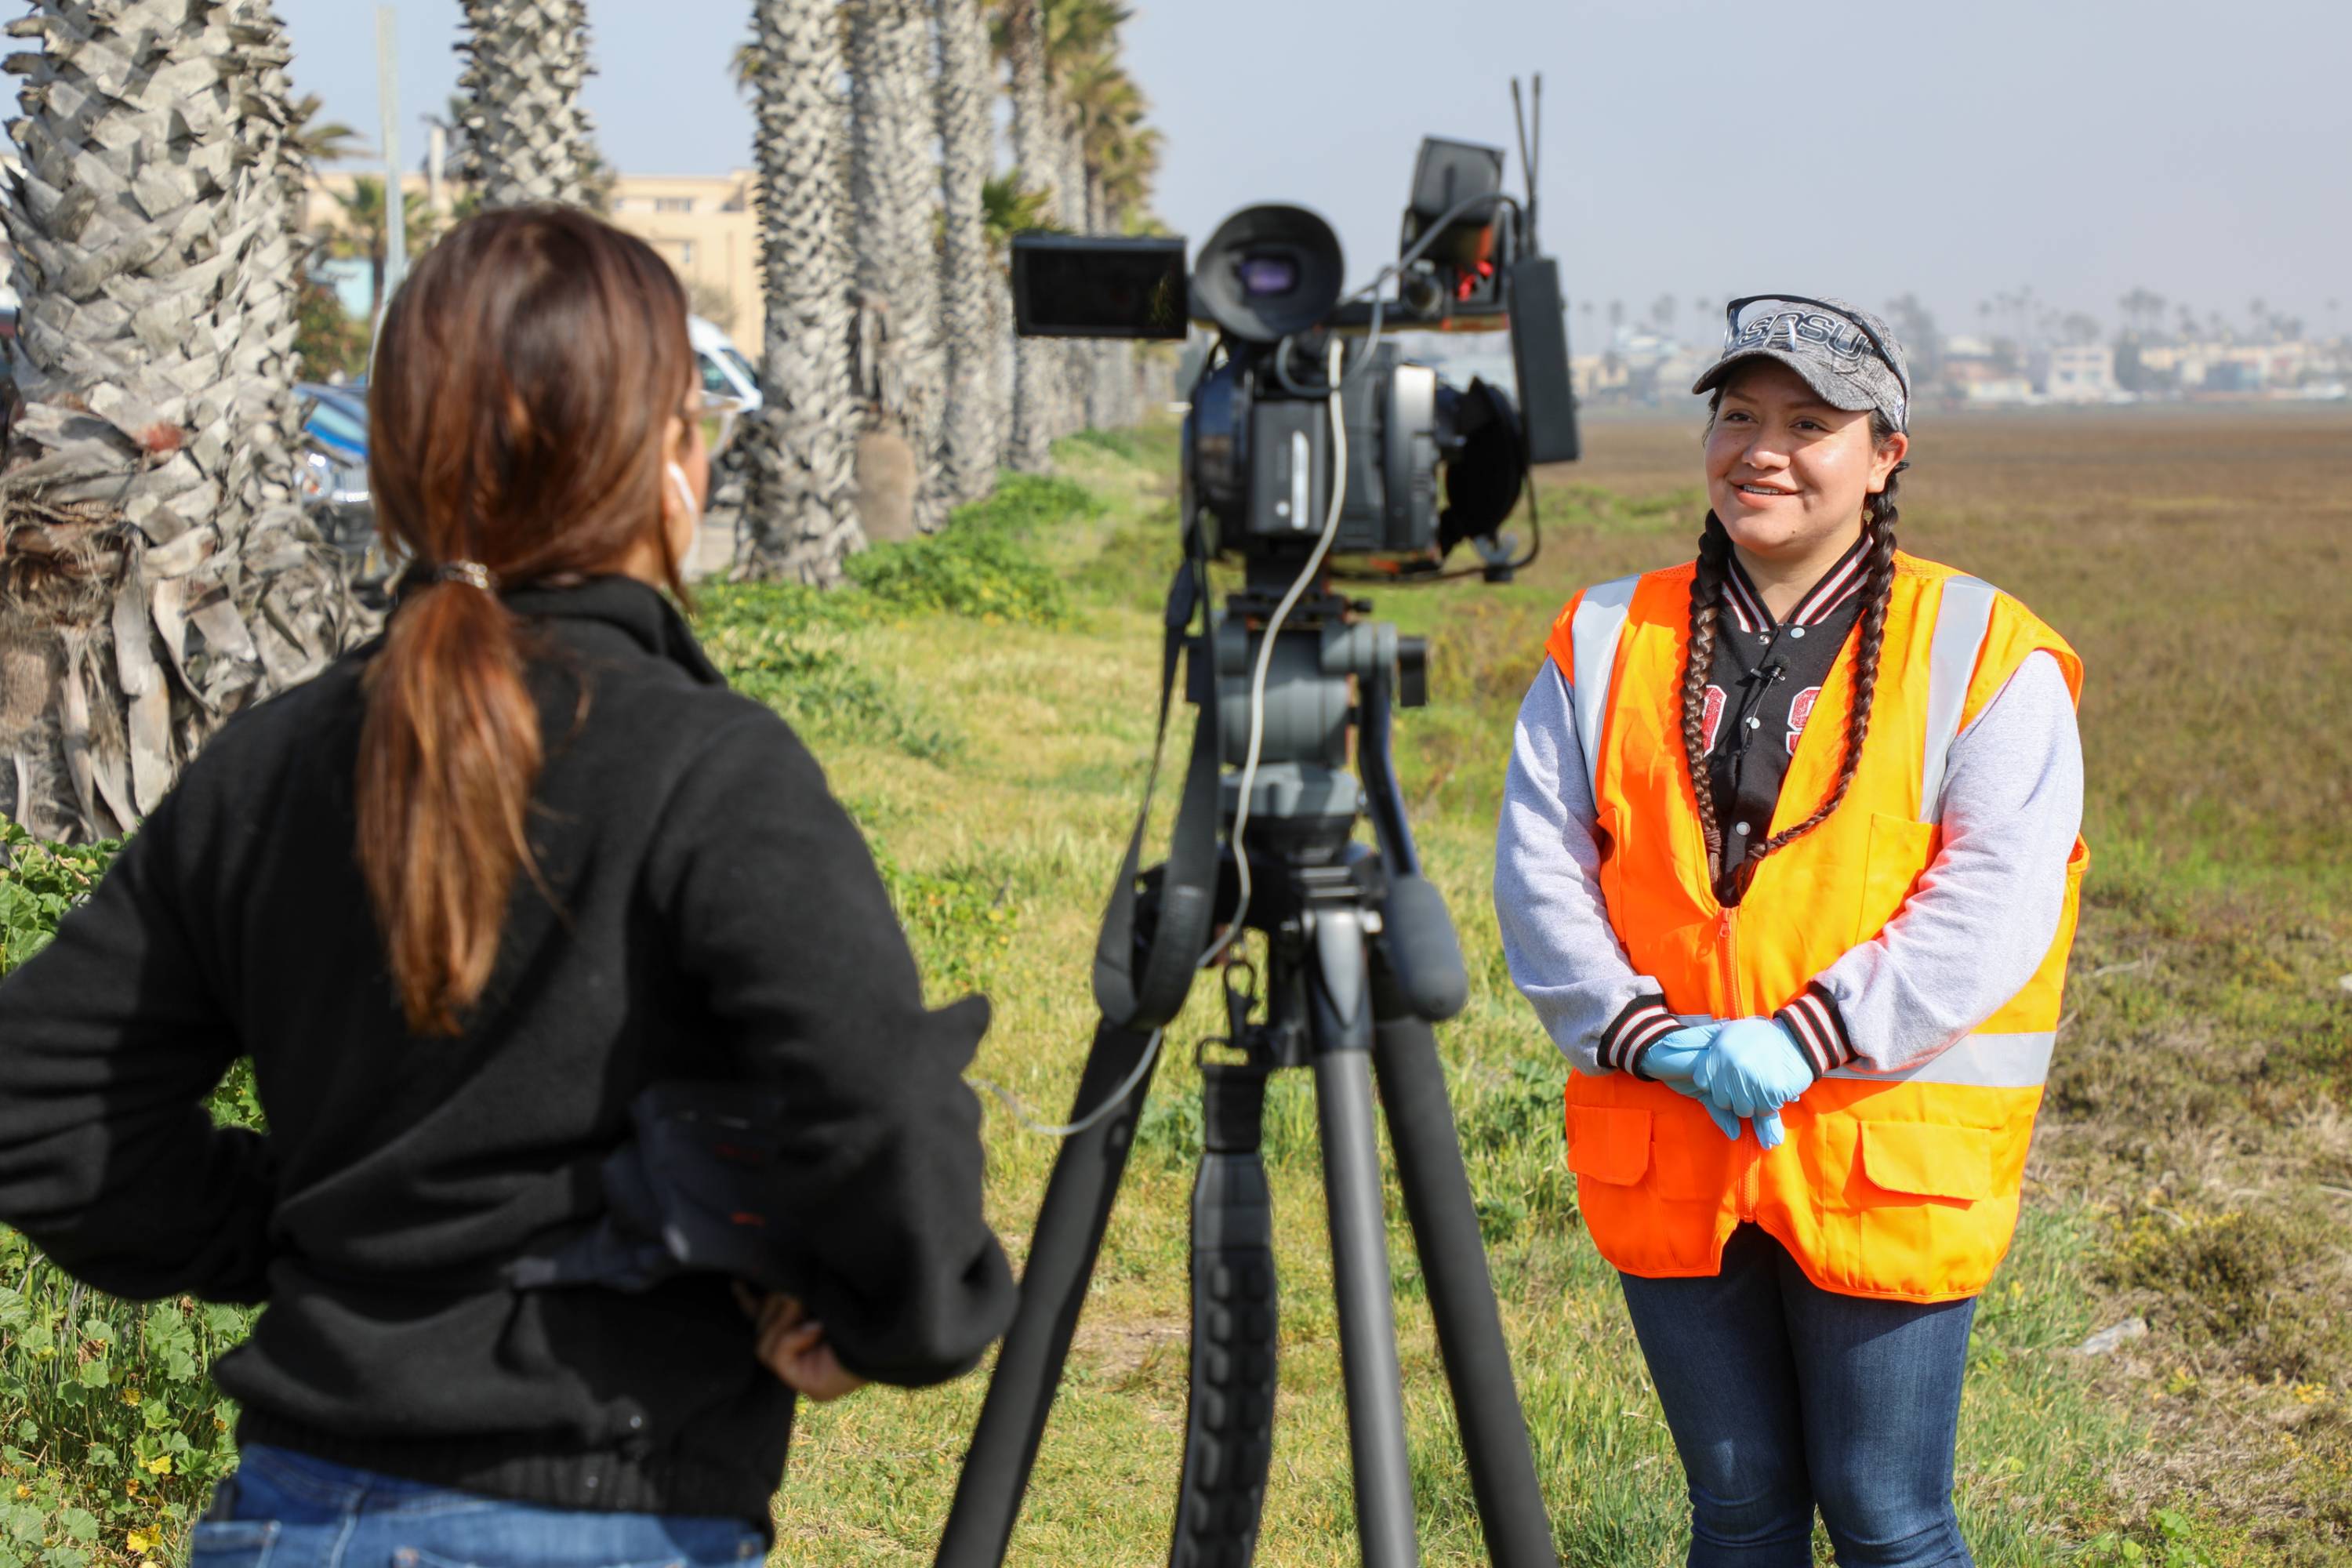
[(1642, 1024), (1819, 1027)]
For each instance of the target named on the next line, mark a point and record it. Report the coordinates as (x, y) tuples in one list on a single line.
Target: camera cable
[(1298, 586), (1234, 925)]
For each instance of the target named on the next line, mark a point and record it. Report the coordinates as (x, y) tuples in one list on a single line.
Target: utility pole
[(395, 208), (437, 160)]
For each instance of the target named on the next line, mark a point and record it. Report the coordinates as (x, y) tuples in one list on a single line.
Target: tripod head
[(1281, 681)]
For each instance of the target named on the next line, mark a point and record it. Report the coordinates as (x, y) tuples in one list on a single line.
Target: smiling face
[(1787, 473)]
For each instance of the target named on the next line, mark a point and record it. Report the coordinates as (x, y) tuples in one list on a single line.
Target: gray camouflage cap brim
[(1836, 361)]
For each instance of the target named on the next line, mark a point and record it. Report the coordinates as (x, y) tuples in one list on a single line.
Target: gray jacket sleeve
[(1563, 955), (1984, 913)]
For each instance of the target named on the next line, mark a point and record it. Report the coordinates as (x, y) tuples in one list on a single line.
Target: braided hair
[(1878, 517)]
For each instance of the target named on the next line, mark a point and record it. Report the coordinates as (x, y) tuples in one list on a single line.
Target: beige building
[(703, 225)]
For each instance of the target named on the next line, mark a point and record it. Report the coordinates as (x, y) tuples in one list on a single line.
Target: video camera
[(1305, 438), (1259, 436)]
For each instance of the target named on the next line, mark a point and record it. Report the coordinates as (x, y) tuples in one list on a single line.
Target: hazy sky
[(1692, 147)]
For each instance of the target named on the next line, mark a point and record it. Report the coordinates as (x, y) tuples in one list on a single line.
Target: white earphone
[(685, 492)]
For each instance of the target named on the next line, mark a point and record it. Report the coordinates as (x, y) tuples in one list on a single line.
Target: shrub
[(793, 659), (962, 571), (1021, 503), (980, 564)]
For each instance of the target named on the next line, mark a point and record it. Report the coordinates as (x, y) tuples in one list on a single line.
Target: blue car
[(333, 480)]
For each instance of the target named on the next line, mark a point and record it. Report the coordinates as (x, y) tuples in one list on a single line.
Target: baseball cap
[(1850, 357)]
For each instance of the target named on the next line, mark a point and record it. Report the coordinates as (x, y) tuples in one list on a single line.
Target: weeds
[(110, 1430), (38, 883)]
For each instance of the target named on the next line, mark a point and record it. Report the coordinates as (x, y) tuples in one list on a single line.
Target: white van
[(724, 370)]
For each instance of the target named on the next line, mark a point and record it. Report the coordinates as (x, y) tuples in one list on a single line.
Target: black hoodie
[(715, 915)]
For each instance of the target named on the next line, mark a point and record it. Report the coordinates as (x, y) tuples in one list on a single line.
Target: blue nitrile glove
[(1755, 1067), (1674, 1058)]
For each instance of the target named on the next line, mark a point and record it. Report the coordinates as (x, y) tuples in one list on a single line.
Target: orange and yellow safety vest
[(1899, 1185)]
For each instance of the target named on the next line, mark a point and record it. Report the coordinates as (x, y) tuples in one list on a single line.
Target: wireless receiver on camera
[(1309, 440)]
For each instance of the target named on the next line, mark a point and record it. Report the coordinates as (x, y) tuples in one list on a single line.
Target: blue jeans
[(1783, 1396), (287, 1509)]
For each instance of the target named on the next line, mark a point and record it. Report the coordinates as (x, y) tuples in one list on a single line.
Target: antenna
[(1531, 145)]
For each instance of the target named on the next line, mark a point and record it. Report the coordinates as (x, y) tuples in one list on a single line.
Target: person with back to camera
[(1788, 866), (463, 898)]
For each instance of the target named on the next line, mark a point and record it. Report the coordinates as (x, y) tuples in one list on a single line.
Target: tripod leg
[(1061, 1258), (1229, 1430), (1341, 1010), (1461, 1293)]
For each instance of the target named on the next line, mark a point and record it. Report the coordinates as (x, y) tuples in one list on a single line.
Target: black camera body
[(1427, 464), (1258, 457)]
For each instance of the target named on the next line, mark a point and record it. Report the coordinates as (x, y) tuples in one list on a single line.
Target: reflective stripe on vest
[(1600, 622), (1988, 1061), (1983, 1061), (1961, 620)]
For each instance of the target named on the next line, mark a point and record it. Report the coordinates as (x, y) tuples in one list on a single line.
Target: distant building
[(2081, 373), (2224, 368), (706, 227), (1993, 390), (703, 226)]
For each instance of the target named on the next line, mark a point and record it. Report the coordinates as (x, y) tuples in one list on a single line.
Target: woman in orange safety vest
[(1787, 867)]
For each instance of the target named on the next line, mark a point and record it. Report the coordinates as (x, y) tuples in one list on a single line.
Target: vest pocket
[(1608, 1144), (1900, 848), (1924, 1159)]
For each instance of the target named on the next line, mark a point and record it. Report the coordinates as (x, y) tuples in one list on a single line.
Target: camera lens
[(1268, 275)]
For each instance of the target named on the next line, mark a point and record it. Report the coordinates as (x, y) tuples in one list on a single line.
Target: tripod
[(1361, 960)]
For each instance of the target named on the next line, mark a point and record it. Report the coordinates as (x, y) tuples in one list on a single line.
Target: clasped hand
[(792, 1344), (1747, 1067)]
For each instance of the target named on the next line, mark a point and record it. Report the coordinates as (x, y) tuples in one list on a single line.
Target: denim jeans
[(1783, 1396), (287, 1509)]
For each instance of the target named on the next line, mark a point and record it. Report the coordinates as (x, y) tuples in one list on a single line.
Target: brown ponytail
[(1879, 517), (524, 387)]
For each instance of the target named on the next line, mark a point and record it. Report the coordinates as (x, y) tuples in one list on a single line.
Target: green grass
[(982, 702)]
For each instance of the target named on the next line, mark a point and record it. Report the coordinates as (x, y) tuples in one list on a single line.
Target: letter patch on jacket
[(1710, 719), (1800, 710)]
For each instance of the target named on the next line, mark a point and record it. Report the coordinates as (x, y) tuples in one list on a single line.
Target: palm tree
[(893, 182), (317, 145), (362, 229), (2143, 310), (1106, 109), (1008, 207), (968, 280), (528, 138), (1081, 40), (1035, 366), (155, 575), (800, 514)]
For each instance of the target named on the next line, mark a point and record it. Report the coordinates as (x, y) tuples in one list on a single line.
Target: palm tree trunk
[(1081, 357), (1036, 367), (801, 516), (262, 467), (154, 576), (968, 275), (531, 140), (892, 186)]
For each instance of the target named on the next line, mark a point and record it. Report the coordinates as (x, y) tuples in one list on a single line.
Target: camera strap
[(1141, 982)]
